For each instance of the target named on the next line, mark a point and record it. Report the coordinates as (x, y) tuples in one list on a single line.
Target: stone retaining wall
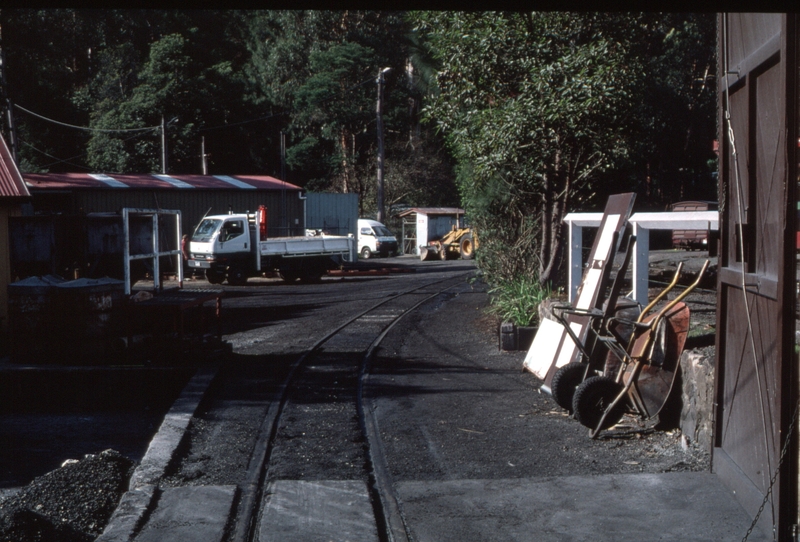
[(697, 395)]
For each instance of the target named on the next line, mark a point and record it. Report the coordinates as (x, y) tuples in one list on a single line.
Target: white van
[(375, 238)]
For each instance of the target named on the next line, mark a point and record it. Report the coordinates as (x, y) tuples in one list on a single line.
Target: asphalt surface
[(475, 452)]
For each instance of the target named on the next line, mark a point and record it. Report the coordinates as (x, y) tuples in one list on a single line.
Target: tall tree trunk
[(558, 189), (345, 167)]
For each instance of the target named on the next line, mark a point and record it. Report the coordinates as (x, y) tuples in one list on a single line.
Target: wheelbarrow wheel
[(564, 383), (592, 398)]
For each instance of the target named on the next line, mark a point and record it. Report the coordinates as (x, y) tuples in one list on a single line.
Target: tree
[(673, 158), (321, 67), (335, 104), (76, 66), (534, 106)]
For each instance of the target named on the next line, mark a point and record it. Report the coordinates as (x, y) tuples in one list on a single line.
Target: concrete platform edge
[(130, 511)]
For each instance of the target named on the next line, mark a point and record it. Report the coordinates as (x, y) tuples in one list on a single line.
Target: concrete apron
[(620, 508), (676, 506)]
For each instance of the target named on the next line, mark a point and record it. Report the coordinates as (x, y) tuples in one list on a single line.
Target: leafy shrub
[(517, 300)]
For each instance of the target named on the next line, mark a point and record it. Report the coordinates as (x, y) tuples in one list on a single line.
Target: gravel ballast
[(70, 504)]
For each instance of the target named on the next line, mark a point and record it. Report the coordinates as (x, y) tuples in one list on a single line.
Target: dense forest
[(518, 117)]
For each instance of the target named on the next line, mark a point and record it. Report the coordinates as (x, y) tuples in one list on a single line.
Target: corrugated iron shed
[(94, 181), (11, 183), (193, 195)]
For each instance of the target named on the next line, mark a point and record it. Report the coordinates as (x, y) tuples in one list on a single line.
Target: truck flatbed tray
[(305, 246)]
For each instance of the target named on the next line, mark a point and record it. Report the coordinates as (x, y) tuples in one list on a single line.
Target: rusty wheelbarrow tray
[(648, 365)]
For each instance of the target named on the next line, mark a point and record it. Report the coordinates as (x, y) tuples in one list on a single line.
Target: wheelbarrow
[(594, 357), (647, 367)]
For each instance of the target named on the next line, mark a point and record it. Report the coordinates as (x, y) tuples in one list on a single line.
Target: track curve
[(362, 333)]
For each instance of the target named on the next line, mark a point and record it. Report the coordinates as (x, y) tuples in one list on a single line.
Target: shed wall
[(285, 208), (337, 214)]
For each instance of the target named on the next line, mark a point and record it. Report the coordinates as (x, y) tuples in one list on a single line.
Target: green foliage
[(517, 300), (543, 113), (534, 106)]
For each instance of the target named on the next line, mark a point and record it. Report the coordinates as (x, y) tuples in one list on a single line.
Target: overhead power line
[(86, 128), (57, 160)]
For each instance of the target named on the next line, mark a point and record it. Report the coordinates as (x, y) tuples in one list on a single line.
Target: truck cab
[(374, 238), (222, 243)]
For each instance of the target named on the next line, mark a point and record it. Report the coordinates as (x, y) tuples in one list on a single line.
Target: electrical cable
[(740, 225), (57, 160), (67, 160), (86, 128)]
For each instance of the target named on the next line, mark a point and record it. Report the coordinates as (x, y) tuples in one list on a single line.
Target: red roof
[(76, 181), (11, 183), (432, 211)]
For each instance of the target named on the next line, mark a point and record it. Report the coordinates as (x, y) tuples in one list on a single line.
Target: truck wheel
[(236, 276), (467, 248), (443, 253), (312, 276), (213, 277), (290, 276), (365, 253)]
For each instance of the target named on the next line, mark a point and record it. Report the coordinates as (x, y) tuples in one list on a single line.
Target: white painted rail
[(642, 224)]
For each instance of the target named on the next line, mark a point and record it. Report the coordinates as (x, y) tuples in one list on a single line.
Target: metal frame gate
[(756, 375)]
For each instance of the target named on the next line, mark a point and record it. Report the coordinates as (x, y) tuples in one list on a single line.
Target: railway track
[(316, 422)]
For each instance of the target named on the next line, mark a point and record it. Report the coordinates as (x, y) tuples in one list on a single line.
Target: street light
[(380, 82)]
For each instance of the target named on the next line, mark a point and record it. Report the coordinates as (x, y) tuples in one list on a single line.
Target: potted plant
[(516, 302)]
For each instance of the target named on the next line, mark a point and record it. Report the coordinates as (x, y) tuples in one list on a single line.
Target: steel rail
[(380, 480), (251, 491)]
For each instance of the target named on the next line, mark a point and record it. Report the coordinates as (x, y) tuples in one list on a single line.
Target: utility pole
[(284, 213), (203, 154), (163, 146), (380, 81)]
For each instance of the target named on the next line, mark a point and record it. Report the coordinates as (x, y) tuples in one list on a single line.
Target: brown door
[(755, 387)]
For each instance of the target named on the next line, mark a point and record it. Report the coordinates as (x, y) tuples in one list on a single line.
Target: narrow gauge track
[(330, 367)]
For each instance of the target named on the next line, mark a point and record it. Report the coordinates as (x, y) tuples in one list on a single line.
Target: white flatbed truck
[(234, 247)]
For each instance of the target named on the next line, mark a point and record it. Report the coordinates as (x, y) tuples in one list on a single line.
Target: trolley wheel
[(365, 253), (565, 381), (592, 399), (467, 248), (213, 277), (236, 276)]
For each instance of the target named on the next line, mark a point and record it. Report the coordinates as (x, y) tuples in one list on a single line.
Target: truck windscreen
[(206, 228)]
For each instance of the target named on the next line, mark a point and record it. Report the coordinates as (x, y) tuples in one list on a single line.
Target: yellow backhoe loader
[(457, 242)]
